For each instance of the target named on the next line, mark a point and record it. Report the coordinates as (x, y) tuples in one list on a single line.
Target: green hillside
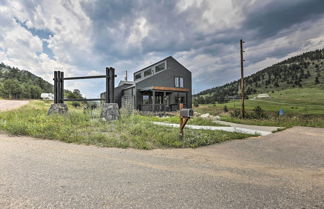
[(21, 84), (305, 70)]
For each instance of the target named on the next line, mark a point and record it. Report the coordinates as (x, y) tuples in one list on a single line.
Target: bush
[(196, 104), (76, 104), (259, 113), (236, 114), (225, 109)]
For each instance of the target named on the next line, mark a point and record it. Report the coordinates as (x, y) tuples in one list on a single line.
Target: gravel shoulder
[(6, 105), (281, 170)]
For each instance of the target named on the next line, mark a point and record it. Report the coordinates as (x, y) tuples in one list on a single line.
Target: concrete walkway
[(221, 128), (253, 127)]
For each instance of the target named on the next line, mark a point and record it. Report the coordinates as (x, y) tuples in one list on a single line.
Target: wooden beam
[(161, 88)]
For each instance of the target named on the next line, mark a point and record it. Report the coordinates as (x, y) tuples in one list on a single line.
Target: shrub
[(76, 104), (236, 114), (225, 109), (196, 104), (259, 113)]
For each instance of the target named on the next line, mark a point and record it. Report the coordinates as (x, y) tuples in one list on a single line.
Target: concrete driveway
[(6, 105), (282, 170)]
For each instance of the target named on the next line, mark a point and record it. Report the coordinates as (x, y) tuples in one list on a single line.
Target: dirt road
[(282, 170), (6, 105)]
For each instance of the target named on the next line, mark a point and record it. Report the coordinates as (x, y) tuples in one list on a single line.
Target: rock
[(217, 117), (59, 108), (206, 115), (110, 111)]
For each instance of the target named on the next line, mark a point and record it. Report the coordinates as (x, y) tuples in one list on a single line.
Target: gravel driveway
[(282, 170), (6, 105)]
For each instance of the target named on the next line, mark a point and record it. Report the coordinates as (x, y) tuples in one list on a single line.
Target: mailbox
[(186, 112)]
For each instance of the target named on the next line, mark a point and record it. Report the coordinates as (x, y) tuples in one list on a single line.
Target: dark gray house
[(158, 87)]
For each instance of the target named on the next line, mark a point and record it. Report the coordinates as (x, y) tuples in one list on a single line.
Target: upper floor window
[(178, 82), (160, 67), (138, 76), (148, 72)]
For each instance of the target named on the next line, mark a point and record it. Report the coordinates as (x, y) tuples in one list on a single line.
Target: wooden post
[(164, 101), (111, 85), (59, 86), (55, 87), (62, 87), (107, 85), (242, 80), (181, 119), (153, 100)]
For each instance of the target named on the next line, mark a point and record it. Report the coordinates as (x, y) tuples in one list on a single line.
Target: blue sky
[(82, 37)]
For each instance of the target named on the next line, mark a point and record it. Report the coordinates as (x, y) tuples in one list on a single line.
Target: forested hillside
[(21, 84), (305, 70)]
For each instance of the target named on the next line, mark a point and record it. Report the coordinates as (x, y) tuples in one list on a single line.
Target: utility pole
[(242, 80)]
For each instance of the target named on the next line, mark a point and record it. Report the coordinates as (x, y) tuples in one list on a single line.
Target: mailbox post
[(185, 115)]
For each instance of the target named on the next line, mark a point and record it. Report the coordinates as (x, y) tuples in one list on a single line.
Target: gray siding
[(166, 78)]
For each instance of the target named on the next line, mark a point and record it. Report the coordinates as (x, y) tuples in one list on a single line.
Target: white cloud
[(139, 31), (202, 34)]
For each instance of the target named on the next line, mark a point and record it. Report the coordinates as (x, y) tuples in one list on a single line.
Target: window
[(146, 99), (160, 67), (179, 82), (148, 72), (138, 76)]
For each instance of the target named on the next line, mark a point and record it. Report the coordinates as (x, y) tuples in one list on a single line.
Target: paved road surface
[(6, 105), (282, 170)]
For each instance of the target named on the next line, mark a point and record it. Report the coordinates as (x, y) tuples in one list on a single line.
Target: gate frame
[(59, 86)]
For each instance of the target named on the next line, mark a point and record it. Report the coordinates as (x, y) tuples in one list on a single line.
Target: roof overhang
[(162, 88)]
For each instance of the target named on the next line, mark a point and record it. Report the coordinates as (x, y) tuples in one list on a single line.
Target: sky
[(83, 37)]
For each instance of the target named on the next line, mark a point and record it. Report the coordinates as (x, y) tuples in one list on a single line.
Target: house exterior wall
[(119, 93), (166, 78)]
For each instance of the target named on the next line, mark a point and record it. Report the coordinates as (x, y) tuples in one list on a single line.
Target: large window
[(160, 67), (178, 82), (138, 76), (148, 72)]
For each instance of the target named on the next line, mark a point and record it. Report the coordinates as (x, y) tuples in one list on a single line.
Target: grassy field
[(302, 106), (78, 127)]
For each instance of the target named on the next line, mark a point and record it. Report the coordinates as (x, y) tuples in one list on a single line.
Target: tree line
[(21, 84)]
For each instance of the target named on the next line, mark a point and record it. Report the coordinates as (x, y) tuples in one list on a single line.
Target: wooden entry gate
[(59, 86)]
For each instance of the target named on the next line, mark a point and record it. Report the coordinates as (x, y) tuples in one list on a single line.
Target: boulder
[(59, 108), (206, 115), (110, 111)]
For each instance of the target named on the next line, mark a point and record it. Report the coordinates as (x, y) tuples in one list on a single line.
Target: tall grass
[(175, 119), (78, 126)]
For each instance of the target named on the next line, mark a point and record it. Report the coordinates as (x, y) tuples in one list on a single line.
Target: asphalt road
[(283, 170)]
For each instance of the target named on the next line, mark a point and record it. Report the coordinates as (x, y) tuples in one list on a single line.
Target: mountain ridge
[(304, 70)]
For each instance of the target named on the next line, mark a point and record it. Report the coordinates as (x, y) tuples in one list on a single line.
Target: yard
[(85, 127), (302, 107)]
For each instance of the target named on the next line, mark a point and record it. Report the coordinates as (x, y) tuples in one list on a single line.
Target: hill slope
[(305, 70), (21, 84)]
